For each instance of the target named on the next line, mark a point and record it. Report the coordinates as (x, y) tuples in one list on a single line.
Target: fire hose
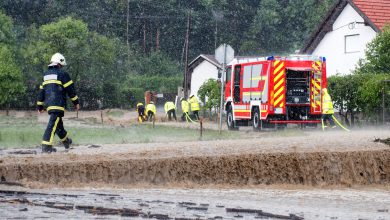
[(189, 118), (337, 122)]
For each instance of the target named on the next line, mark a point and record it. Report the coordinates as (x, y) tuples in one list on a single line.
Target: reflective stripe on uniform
[(68, 84), (46, 143), (40, 103), (55, 108), (63, 139), (54, 129), (51, 82), (74, 98)]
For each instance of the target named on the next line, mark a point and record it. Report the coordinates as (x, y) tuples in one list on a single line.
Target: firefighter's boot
[(67, 142), (48, 149)]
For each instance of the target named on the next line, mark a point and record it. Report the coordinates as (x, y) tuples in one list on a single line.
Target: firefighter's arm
[(41, 98), (70, 90)]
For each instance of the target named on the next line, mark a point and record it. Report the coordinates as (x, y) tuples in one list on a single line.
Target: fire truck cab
[(271, 92)]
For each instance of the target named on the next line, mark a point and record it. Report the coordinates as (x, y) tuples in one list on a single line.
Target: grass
[(115, 113), (27, 133)]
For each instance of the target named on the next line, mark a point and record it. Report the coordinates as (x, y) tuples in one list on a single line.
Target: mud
[(312, 168), (305, 158)]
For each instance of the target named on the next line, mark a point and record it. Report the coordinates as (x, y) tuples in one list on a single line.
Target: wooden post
[(201, 128), (101, 115)]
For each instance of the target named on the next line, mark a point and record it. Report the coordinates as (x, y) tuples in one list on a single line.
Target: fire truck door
[(236, 84), (264, 83)]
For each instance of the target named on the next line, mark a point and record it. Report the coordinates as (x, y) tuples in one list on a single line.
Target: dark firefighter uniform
[(56, 85), (170, 109), (141, 112)]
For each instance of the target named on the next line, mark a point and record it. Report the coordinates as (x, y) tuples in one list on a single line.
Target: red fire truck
[(272, 92)]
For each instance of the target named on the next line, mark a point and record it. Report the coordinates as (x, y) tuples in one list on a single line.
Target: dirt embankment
[(312, 168), (311, 159)]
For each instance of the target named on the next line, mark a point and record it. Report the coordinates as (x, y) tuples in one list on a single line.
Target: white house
[(346, 30), (201, 69)]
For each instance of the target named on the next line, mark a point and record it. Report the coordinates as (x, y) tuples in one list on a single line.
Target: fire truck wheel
[(229, 120), (256, 120)]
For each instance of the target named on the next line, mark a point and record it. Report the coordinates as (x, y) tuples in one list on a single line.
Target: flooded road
[(184, 203)]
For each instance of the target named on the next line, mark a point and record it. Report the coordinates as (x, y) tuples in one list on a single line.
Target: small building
[(343, 35), (201, 69)]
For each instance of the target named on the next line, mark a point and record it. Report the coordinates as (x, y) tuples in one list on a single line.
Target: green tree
[(210, 94), (371, 93), (281, 26), (11, 79), (93, 60), (344, 91), (7, 35), (377, 59)]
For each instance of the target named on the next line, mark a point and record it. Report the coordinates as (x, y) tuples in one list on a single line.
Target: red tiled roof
[(378, 11)]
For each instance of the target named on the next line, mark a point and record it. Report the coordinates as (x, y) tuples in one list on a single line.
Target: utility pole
[(383, 103), (223, 54), (222, 89), (158, 40), (186, 58), (216, 34), (127, 23), (144, 27)]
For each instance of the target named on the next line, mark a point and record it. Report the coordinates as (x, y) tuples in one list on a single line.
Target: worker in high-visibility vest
[(194, 106), (185, 109), (170, 110), (151, 111), (141, 112), (327, 109)]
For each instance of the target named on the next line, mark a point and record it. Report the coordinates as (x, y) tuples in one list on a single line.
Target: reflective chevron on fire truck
[(274, 91)]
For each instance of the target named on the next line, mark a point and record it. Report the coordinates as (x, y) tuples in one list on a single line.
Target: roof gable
[(210, 58), (377, 20)]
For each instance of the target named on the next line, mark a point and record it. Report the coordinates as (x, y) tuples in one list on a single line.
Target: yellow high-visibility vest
[(327, 105), (151, 107), (184, 106), (169, 106), (194, 103)]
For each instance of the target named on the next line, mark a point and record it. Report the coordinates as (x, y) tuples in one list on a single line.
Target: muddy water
[(315, 168), (313, 159), (312, 204), (331, 175)]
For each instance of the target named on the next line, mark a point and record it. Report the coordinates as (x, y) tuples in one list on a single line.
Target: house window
[(352, 43)]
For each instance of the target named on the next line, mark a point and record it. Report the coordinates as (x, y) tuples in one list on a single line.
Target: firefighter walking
[(194, 106), (53, 92), (151, 111), (141, 112), (327, 109), (170, 110)]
